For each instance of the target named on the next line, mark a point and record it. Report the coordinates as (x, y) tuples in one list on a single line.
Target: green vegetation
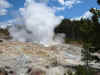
[(77, 30), (86, 55), (98, 1), (4, 31), (82, 70), (4, 34), (84, 31), (87, 31)]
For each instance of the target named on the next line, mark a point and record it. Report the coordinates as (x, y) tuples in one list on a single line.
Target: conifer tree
[(98, 1)]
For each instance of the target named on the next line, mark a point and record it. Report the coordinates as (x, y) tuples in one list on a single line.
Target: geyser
[(35, 24)]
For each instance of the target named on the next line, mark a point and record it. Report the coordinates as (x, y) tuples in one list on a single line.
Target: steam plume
[(36, 23)]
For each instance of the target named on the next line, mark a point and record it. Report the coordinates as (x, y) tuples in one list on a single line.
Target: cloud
[(3, 12), (61, 1), (69, 3), (6, 24), (58, 8), (3, 5), (86, 15)]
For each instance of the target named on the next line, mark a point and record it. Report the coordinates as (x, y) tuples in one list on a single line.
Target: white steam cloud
[(36, 23)]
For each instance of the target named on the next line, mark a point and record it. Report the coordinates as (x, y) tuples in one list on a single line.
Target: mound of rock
[(33, 59)]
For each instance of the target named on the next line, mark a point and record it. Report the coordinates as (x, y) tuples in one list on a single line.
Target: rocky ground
[(21, 58)]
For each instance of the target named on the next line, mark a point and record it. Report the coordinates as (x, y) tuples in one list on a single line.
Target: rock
[(37, 72), (59, 70), (3, 72), (52, 60)]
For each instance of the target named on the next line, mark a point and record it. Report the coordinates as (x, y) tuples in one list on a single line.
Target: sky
[(66, 8)]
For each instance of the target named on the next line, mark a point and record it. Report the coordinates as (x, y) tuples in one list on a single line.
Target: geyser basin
[(22, 56), (37, 23)]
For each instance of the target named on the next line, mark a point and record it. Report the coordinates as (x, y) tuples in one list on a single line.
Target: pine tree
[(92, 46), (87, 29), (86, 55), (98, 1)]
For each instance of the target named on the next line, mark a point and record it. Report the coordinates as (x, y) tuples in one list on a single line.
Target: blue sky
[(76, 10)]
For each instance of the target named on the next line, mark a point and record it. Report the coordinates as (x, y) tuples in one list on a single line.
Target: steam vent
[(17, 58)]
